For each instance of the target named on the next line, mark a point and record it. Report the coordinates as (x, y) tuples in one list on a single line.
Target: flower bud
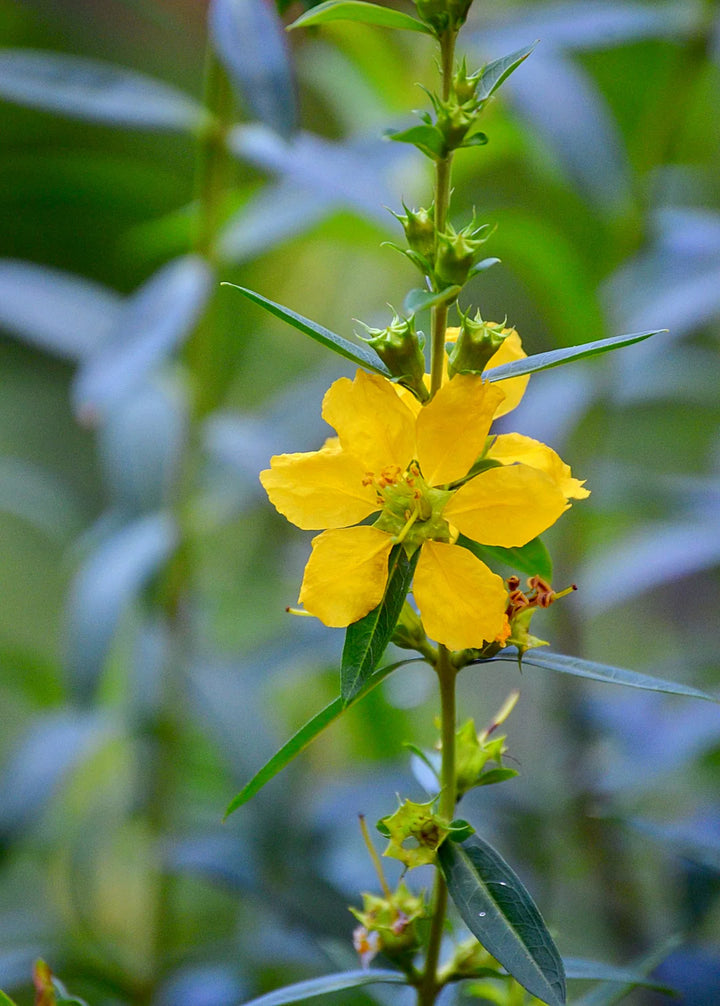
[(442, 14), (464, 86), (388, 924), (419, 227), (400, 349), (457, 254), (476, 344)]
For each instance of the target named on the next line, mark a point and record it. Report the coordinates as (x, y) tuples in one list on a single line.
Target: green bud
[(442, 14), (409, 633), (457, 254), (464, 86), (477, 342), (419, 227), (454, 122), (394, 919), (399, 346)]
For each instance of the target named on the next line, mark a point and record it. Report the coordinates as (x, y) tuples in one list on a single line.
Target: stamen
[(299, 611)]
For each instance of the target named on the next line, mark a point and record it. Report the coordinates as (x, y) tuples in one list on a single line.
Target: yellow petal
[(511, 447), (513, 387), (346, 574), (506, 506), (462, 603), (451, 429), (371, 421), (319, 489)]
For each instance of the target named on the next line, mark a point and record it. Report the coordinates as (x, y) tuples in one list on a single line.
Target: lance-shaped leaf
[(359, 355), (603, 672), (366, 640), (91, 89), (307, 733), (597, 971), (5, 1000), (249, 38), (428, 139), (328, 983), (532, 558), (364, 13), (499, 70), (498, 910), (422, 300), (556, 357)]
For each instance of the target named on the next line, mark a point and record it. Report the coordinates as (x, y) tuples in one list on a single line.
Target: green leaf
[(498, 910), (5, 1000), (494, 775), (612, 991), (359, 355), (422, 300), (499, 70), (366, 640), (603, 672), (364, 13), (326, 984), (306, 734), (579, 969), (475, 140), (481, 266), (555, 357), (428, 139), (532, 559), (91, 89)]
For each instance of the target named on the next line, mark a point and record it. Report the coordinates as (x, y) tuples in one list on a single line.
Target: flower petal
[(506, 506), (512, 447), (451, 429), (513, 387), (462, 603), (346, 574), (373, 423), (319, 489)]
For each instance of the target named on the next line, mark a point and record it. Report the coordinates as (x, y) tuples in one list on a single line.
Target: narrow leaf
[(251, 43), (326, 984), (596, 971), (603, 672), (366, 640), (364, 13), (91, 89), (426, 138), (5, 1000), (532, 559), (498, 910), (481, 266), (555, 357), (306, 734), (422, 300), (359, 355), (499, 70)]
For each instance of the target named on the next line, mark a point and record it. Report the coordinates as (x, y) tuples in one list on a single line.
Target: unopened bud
[(476, 344), (400, 349)]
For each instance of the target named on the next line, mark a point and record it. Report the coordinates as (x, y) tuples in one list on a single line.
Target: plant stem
[(428, 989)]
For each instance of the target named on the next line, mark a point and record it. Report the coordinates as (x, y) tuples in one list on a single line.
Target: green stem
[(429, 987), (443, 172)]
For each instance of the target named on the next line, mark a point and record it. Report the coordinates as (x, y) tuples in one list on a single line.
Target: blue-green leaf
[(363, 13), (422, 300), (328, 983), (359, 355), (498, 910), (494, 73), (481, 266), (428, 139), (91, 89), (579, 969), (556, 357), (249, 38), (603, 672), (366, 640), (306, 734)]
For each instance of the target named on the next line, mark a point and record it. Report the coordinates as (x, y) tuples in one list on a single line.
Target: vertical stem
[(428, 989)]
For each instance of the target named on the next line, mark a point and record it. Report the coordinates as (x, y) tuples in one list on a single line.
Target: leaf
[(475, 140), (422, 300), (612, 991), (612, 675), (251, 43), (428, 139), (62, 314), (499, 70), (556, 357), (359, 355), (306, 734), (5, 1000), (366, 640), (364, 13), (328, 983), (153, 323), (532, 558), (582, 970), (91, 89), (498, 910), (110, 578), (481, 266)]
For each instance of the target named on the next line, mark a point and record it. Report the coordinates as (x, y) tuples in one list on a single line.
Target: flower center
[(411, 510)]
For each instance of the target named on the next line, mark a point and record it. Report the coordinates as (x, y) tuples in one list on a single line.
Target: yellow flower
[(409, 467)]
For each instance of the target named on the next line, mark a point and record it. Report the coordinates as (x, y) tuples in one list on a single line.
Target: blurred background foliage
[(147, 667)]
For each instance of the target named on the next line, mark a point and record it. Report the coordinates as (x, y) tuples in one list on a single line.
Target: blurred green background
[(147, 666)]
